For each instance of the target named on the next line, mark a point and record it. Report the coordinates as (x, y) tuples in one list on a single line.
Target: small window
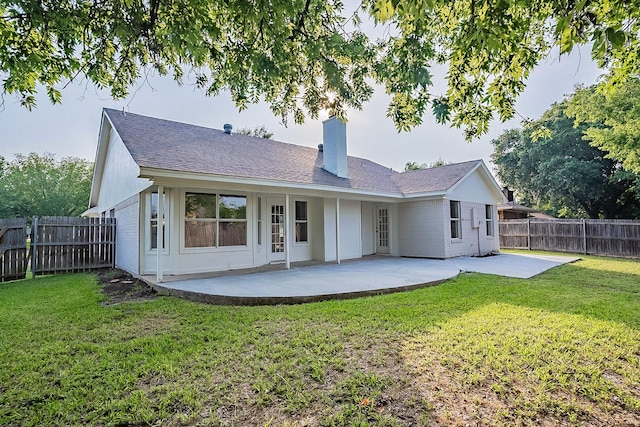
[(233, 221), (489, 218), (456, 229), (302, 222), (153, 244)]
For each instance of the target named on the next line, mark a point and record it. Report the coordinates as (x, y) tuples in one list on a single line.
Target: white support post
[(338, 230), (287, 242), (160, 235)]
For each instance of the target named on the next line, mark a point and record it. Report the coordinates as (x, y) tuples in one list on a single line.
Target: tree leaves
[(40, 185), (301, 56), (562, 173)]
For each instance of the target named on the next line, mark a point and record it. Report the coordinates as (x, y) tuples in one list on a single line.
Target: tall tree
[(563, 175), (618, 112), (301, 56), (40, 185)]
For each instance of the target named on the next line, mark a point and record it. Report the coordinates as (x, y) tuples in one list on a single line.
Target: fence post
[(34, 244), (528, 234), (584, 235)]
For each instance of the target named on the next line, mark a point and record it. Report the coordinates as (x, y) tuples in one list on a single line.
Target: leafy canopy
[(619, 112), (563, 174), (414, 166), (302, 56), (38, 185)]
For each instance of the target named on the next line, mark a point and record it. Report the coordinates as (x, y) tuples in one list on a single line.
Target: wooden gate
[(70, 244), (13, 249)]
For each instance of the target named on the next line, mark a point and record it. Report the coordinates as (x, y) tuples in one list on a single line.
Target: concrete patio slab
[(522, 266), (348, 280)]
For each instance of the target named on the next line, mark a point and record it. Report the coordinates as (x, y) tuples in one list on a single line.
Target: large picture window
[(456, 228), (212, 220), (302, 222), (489, 218)]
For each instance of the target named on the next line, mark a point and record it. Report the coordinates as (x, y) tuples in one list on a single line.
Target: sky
[(71, 128)]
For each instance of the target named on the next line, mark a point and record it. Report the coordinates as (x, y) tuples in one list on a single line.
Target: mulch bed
[(120, 286)]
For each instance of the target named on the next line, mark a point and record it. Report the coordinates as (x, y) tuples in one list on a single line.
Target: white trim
[(295, 222), (338, 230), (183, 249), (487, 174), (287, 240), (146, 246), (160, 235), (152, 173)]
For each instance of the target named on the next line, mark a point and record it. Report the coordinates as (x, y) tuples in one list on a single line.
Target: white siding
[(422, 229), (329, 229), (316, 228), (394, 230), (477, 188), (368, 230), (350, 226), (120, 176), (471, 237), (127, 229), (350, 229), (475, 192)]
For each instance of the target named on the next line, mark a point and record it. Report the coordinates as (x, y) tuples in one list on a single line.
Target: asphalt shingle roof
[(163, 144)]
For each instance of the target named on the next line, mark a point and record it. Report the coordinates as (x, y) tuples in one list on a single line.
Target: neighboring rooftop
[(164, 144)]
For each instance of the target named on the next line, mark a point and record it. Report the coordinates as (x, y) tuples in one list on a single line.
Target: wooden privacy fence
[(588, 236), (71, 244), (13, 249)]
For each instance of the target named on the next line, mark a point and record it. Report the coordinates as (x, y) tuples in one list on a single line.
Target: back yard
[(562, 348)]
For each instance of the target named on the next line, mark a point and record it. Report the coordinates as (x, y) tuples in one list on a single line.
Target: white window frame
[(296, 221), (490, 229), (259, 220), (217, 248), (167, 232), (457, 220)]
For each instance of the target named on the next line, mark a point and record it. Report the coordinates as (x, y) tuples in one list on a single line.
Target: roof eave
[(101, 154), (154, 173)]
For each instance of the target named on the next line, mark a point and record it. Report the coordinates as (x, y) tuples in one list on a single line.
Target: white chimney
[(334, 137)]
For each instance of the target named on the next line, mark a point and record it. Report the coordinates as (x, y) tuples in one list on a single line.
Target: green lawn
[(562, 348)]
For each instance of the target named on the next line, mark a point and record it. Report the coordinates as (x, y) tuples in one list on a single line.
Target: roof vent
[(228, 128), (320, 148)]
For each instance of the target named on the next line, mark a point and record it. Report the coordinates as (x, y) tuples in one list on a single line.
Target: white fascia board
[(454, 186), (488, 175), (106, 127), (426, 195), (153, 174)]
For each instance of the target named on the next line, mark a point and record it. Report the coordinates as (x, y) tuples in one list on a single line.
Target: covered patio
[(370, 276)]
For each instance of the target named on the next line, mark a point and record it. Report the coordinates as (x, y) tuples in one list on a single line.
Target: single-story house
[(231, 201)]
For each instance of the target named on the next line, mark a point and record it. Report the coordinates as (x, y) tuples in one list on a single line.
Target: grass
[(561, 348)]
